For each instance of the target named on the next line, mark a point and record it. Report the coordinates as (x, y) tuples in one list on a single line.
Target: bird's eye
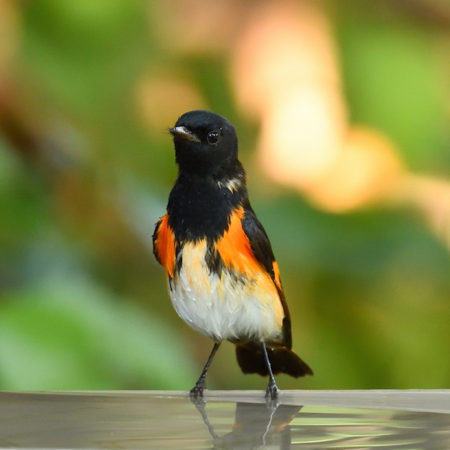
[(213, 136)]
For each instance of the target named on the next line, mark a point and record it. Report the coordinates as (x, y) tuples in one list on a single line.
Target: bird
[(222, 276)]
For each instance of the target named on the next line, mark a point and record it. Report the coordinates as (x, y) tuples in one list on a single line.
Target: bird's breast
[(222, 293)]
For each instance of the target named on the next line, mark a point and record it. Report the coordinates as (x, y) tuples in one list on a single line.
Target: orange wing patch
[(165, 245)]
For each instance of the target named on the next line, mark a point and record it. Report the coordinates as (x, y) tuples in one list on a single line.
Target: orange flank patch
[(235, 250), (234, 247), (165, 245), (276, 272)]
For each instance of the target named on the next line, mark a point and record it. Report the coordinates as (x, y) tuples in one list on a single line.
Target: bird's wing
[(262, 251), (164, 245)]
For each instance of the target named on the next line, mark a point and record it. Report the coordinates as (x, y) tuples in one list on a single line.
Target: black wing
[(154, 238)]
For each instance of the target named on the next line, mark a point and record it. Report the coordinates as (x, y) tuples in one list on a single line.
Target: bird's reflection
[(255, 425)]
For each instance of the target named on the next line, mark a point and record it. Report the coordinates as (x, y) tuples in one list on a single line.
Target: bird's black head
[(205, 143)]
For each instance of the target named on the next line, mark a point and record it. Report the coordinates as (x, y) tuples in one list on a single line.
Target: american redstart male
[(222, 276)]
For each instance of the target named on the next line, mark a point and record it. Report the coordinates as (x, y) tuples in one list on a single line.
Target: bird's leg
[(197, 390), (272, 389)]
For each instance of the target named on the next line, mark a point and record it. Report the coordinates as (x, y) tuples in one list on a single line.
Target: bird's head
[(205, 143)]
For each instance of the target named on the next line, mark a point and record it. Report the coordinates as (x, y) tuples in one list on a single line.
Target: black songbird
[(223, 278)]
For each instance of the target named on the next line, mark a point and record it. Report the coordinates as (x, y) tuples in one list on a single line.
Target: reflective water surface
[(154, 420)]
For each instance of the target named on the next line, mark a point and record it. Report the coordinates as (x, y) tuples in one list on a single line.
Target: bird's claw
[(272, 391), (197, 391)]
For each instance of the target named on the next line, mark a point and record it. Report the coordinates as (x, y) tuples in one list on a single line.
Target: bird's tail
[(250, 358)]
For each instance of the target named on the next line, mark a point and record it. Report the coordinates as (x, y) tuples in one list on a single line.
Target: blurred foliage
[(71, 335), (395, 81), (83, 179)]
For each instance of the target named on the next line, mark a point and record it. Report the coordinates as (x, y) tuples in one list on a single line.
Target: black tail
[(251, 360)]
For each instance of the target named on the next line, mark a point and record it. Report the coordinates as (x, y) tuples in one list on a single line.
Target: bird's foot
[(196, 393), (272, 391)]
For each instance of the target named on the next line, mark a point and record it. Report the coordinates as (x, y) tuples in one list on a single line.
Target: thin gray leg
[(272, 389), (197, 390)]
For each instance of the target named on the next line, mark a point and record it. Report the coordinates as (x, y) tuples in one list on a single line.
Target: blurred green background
[(87, 92)]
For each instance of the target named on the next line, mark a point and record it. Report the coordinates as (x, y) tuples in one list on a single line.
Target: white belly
[(223, 307)]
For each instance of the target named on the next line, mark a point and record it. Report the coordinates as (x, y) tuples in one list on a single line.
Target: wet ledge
[(432, 400), (225, 419)]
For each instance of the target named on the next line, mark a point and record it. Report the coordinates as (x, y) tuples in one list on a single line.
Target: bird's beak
[(183, 133)]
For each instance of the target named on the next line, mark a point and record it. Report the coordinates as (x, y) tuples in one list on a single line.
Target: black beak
[(183, 133)]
